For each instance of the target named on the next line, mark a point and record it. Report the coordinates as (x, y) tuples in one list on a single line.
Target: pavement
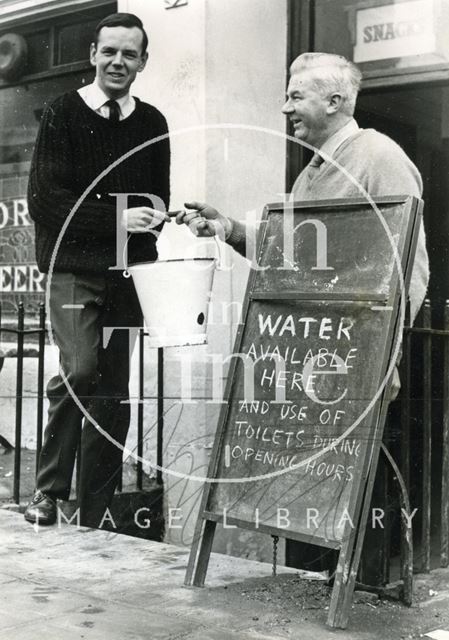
[(65, 582)]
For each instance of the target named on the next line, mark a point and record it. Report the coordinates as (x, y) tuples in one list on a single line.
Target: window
[(57, 61), (59, 46)]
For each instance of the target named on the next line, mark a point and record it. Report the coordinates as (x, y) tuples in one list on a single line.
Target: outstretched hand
[(143, 219), (204, 221)]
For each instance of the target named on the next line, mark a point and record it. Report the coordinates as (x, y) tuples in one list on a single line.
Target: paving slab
[(68, 582)]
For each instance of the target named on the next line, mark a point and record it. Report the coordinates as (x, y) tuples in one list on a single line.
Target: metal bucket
[(174, 296)]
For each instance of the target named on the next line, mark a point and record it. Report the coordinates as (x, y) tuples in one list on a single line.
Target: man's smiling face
[(117, 57), (307, 109)]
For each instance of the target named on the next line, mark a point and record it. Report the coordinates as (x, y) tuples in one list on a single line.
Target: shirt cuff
[(237, 233)]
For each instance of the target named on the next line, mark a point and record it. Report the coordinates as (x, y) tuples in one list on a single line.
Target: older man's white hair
[(331, 74)]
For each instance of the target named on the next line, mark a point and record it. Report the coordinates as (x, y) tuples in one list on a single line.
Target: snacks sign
[(395, 31)]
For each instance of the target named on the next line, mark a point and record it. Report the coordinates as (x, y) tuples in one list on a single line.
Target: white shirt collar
[(331, 145), (95, 98)]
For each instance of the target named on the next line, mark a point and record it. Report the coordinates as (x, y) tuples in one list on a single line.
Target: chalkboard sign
[(298, 438)]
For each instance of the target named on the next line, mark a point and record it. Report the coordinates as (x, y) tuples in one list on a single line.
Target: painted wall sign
[(20, 279), (395, 31)]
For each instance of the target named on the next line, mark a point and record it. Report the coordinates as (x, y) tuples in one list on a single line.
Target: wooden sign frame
[(350, 542)]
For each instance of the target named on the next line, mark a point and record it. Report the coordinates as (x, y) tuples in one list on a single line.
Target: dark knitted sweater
[(74, 146)]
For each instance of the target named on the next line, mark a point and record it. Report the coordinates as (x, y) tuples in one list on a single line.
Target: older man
[(321, 99), (320, 104), (85, 135)]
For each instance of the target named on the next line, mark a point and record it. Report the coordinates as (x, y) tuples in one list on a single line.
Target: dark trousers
[(95, 388), (376, 542)]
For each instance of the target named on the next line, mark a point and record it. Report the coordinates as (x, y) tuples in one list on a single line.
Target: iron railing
[(36, 329), (429, 409)]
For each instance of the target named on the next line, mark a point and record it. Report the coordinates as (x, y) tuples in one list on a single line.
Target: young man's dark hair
[(127, 20)]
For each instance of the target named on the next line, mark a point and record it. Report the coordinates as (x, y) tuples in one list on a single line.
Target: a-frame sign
[(299, 433)]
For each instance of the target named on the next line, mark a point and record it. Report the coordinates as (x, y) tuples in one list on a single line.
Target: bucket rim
[(139, 264)]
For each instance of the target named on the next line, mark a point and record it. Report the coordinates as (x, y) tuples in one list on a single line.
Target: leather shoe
[(41, 509)]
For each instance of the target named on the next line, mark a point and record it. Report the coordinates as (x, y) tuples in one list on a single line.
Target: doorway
[(417, 118)]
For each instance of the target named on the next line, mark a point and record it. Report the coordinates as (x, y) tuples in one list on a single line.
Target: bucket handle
[(218, 245), (126, 273)]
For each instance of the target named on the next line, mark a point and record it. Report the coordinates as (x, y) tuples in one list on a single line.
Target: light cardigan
[(381, 168)]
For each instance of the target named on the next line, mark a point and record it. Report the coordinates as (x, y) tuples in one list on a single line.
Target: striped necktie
[(114, 110)]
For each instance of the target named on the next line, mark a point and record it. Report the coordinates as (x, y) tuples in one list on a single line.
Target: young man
[(73, 196), (321, 99)]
